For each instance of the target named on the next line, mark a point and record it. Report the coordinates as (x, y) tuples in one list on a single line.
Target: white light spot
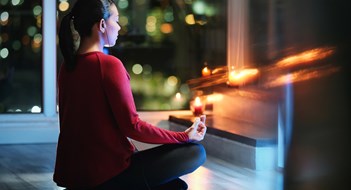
[(4, 53), (36, 109), (137, 69)]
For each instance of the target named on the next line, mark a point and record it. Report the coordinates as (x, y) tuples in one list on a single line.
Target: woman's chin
[(110, 45)]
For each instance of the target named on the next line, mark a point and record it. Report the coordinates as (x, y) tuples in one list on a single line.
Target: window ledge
[(28, 128), (38, 128)]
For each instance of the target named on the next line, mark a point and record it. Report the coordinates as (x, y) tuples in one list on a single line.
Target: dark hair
[(84, 14)]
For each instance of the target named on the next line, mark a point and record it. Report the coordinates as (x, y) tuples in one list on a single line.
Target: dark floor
[(30, 167)]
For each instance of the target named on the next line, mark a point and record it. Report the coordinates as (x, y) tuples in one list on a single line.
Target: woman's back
[(89, 135)]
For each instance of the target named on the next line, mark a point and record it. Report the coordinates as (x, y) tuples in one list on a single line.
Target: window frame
[(43, 127)]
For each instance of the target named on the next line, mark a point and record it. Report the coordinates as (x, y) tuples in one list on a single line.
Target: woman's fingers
[(198, 130), (203, 118), (202, 129)]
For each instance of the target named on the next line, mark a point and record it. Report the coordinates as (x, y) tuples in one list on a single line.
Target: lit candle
[(197, 107), (206, 72), (235, 78)]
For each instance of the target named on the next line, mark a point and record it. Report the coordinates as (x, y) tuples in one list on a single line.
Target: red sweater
[(97, 114)]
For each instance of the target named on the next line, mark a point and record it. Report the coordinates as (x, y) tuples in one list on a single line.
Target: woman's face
[(112, 27)]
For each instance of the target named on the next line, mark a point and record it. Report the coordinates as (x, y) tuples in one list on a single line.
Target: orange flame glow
[(241, 77), (301, 75)]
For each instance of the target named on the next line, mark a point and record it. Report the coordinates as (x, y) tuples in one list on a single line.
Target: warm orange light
[(305, 57), (166, 28), (301, 75), (241, 77), (64, 6), (190, 19), (214, 98), (206, 72), (197, 102), (197, 106)]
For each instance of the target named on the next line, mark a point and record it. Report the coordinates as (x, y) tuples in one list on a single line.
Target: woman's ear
[(102, 25)]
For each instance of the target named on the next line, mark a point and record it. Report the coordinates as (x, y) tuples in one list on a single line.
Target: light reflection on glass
[(305, 57), (241, 77), (301, 75), (297, 63)]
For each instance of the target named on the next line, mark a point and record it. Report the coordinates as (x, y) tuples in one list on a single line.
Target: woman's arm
[(116, 83)]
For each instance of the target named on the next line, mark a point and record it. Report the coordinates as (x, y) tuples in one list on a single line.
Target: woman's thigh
[(168, 162), (159, 165)]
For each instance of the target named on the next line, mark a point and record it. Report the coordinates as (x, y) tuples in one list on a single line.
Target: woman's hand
[(198, 130)]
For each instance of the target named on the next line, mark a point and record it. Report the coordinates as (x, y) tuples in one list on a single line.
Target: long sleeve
[(116, 83)]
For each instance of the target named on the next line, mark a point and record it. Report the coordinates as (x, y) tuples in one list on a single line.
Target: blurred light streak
[(242, 76), (301, 75), (305, 57), (214, 98)]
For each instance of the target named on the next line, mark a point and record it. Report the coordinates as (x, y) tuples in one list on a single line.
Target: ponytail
[(66, 42), (78, 24)]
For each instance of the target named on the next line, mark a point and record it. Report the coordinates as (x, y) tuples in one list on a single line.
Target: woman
[(98, 115)]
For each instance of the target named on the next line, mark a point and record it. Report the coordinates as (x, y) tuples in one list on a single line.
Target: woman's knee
[(197, 153)]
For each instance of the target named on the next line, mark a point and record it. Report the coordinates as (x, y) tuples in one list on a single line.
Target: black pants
[(158, 166)]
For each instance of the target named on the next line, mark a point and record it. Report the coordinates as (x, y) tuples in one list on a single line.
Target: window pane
[(165, 43), (171, 41), (20, 56)]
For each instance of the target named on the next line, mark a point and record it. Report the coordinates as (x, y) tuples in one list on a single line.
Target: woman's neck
[(89, 45)]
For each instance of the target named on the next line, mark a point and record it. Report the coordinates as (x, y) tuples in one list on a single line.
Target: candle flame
[(197, 101), (206, 71)]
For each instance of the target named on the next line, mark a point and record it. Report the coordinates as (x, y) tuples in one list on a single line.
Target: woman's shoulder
[(109, 57), (109, 60), (110, 63)]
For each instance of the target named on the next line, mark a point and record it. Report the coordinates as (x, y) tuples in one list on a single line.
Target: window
[(164, 43), (21, 56)]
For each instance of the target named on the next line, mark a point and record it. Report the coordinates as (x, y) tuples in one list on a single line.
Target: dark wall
[(318, 157)]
